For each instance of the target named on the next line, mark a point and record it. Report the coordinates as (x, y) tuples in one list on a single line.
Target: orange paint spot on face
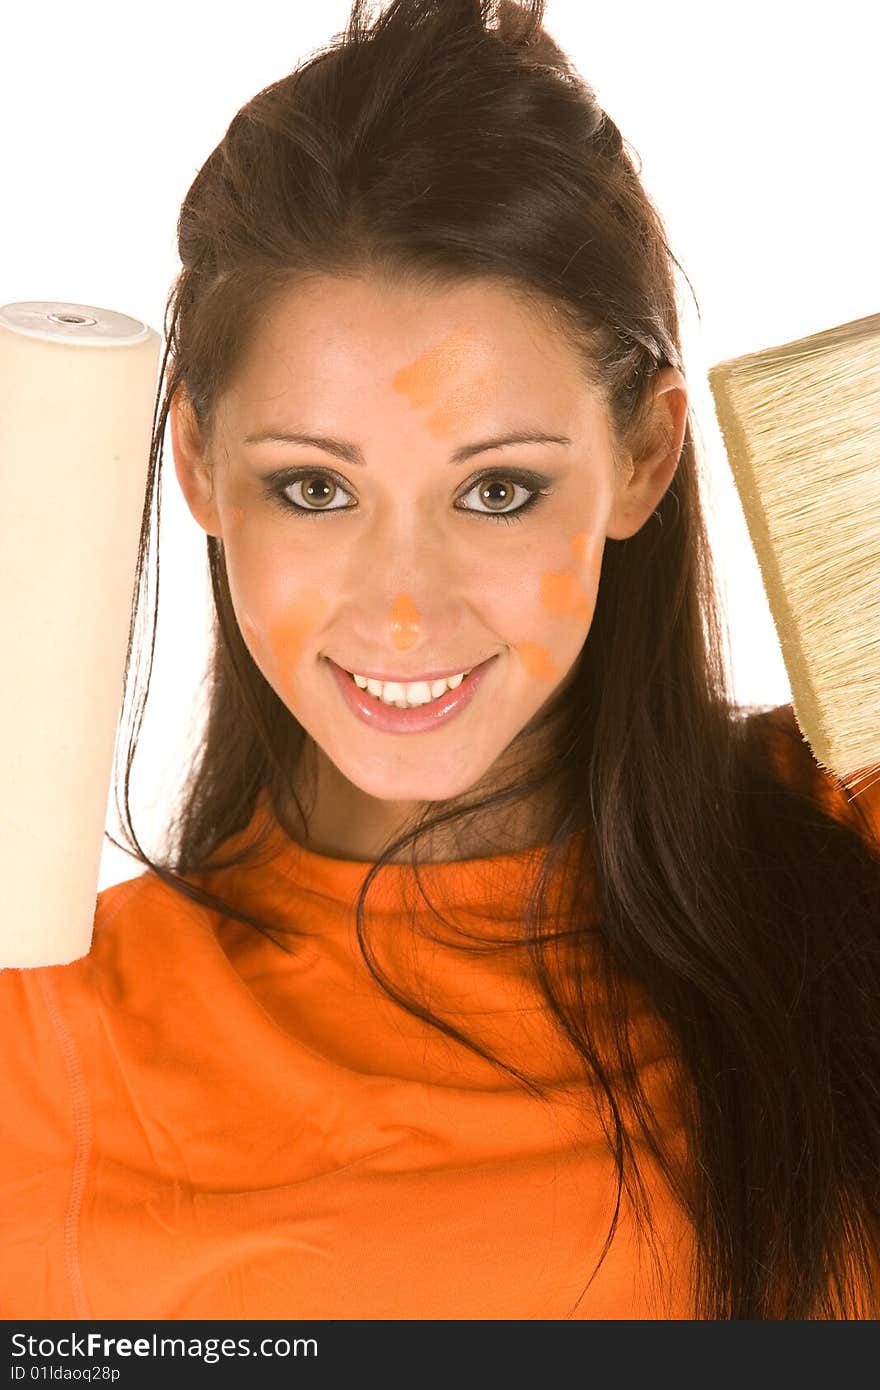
[(452, 416), (579, 542), (536, 660), (587, 553), (561, 592), (439, 382), (288, 633), (234, 518), (404, 621), (428, 376), (570, 594)]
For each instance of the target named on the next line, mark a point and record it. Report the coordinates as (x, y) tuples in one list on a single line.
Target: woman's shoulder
[(146, 916), (781, 744), (137, 910), (154, 959), (138, 923)]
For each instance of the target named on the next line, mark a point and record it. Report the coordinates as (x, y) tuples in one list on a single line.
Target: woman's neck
[(344, 822)]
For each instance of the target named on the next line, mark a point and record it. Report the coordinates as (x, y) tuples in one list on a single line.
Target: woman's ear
[(651, 469), (191, 464)]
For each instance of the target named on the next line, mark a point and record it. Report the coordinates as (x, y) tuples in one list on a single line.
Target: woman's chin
[(410, 790)]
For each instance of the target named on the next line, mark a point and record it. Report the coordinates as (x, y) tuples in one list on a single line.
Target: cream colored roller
[(77, 393)]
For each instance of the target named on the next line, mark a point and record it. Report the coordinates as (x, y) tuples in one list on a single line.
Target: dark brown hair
[(450, 140)]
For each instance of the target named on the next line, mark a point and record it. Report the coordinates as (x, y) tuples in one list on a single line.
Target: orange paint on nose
[(439, 382), (288, 633), (537, 660), (404, 622)]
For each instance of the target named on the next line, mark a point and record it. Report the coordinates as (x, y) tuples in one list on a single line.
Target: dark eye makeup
[(278, 482)]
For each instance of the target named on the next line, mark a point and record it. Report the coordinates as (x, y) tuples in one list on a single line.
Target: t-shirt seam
[(83, 1131)]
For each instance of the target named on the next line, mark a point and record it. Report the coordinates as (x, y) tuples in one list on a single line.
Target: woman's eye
[(497, 496), (319, 493)]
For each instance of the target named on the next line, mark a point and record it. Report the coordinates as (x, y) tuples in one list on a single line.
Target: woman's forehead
[(345, 350)]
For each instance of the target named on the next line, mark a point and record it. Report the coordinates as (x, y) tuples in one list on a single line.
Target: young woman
[(498, 965)]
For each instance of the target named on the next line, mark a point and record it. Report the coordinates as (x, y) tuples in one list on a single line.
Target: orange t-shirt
[(197, 1125)]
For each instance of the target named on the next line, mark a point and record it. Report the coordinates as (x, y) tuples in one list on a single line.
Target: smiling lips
[(389, 716), (409, 680)]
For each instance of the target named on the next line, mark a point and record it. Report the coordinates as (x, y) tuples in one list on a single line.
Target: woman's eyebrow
[(351, 453)]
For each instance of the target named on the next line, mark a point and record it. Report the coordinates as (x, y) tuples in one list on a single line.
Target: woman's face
[(417, 548)]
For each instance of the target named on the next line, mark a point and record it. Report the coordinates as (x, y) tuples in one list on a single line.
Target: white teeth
[(409, 693)]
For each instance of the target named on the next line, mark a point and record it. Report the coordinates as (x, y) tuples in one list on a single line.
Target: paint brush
[(801, 427)]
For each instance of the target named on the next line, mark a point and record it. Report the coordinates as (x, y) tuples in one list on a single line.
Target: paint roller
[(77, 394)]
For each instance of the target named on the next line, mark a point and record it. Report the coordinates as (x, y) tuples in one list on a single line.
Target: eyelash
[(531, 483)]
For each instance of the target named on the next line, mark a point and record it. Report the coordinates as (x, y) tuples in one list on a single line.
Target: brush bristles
[(801, 426)]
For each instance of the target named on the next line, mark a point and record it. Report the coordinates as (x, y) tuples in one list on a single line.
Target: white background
[(756, 125)]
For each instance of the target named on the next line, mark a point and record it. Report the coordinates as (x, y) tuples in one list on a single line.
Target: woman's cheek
[(566, 601), (276, 618), (276, 643)]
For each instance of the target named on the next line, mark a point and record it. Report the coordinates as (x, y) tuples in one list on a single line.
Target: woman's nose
[(421, 618), (399, 566), (402, 586)]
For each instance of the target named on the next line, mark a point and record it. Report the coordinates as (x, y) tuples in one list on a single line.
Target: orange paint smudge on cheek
[(567, 593), (536, 660), (288, 633), (404, 620), (579, 542), (587, 551), (561, 592), (235, 517)]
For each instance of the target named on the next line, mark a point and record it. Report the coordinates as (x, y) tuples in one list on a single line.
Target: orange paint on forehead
[(287, 633), (439, 382), (429, 375), (404, 619), (536, 660)]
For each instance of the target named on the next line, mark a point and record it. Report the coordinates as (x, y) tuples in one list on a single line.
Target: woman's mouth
[(411, 707)]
